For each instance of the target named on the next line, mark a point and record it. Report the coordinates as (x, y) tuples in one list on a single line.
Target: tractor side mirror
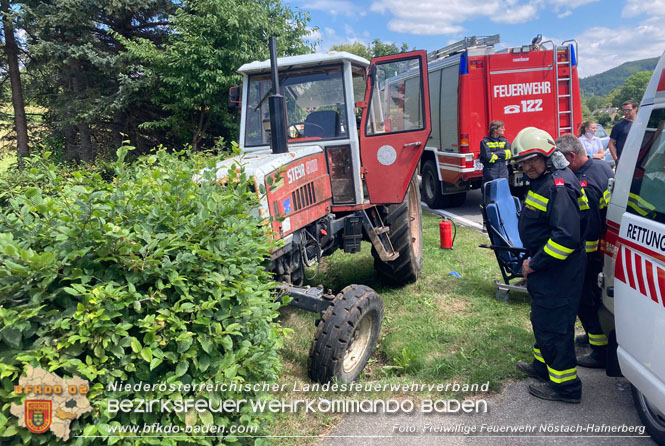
[(235, 97)]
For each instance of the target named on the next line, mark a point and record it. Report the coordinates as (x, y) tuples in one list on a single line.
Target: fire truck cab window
[(396, 103), (315, 105), (646, 196)]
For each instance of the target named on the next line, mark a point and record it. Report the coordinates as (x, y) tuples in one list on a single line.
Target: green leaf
[(204, 362), (184, 345), (146, 354), (155, 362), (206, 343), (12, 336), (136, 345), (10, 431), (181, 369)]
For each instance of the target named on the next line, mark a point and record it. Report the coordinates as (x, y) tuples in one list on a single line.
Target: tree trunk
[(11, 50), (71, 147), (119, 133), (86, 149), (200, 130)]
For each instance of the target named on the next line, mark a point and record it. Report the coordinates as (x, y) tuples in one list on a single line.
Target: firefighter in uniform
[(494, 152), (551, 227), (594, 176)]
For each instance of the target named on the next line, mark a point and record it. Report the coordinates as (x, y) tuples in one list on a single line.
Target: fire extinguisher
[(446, 233)]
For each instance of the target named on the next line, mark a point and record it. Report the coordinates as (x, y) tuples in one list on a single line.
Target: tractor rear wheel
[(346, 335), (406, 235)]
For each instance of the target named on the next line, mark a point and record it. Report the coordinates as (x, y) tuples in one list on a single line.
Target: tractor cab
[(370, 124)]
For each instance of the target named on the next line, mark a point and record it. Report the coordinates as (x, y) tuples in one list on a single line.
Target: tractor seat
[(322, 124)]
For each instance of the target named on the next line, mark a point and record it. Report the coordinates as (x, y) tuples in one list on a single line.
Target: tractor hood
[(258, 165)]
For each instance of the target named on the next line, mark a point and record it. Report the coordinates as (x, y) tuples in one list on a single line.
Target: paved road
[(606, 404), (467, 215)]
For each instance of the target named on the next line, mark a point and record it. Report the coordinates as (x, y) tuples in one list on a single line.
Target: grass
[(438, 330)]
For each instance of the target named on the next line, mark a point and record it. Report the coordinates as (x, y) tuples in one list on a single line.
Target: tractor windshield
[(315, 105)]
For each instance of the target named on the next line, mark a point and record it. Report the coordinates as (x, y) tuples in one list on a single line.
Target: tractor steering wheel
[(304, 125)]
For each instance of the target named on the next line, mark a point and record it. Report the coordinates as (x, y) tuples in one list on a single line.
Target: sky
[(608, 32)]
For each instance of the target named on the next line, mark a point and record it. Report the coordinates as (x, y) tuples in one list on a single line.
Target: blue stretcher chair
[(501, 215)]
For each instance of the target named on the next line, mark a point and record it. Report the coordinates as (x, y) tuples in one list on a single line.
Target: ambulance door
[(639, 274), (395, 124)]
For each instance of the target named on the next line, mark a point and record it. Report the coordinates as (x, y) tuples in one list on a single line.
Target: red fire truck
[(471, 85)]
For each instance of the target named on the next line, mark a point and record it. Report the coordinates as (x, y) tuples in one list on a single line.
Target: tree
[(210, 40), (378, 48), (633, 88), (356, 48), (374, 49), (11, 52), (596, 102), (86, 82)]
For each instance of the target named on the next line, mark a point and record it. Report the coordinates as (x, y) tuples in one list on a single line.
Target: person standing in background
[(592, 144), (494, 151), (620, 131)]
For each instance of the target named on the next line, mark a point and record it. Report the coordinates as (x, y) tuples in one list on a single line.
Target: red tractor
[(335, 142)]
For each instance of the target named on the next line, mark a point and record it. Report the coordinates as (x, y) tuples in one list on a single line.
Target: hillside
[(602, 83)]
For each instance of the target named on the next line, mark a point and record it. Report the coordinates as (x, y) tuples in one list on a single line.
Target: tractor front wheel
[(406, 235), (346, 335)]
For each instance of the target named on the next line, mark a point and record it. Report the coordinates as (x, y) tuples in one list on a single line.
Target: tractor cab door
[(395, 124)]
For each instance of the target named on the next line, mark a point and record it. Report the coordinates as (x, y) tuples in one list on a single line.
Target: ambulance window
[(646, 196)]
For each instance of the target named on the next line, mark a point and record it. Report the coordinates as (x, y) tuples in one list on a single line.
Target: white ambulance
[(633, 278)]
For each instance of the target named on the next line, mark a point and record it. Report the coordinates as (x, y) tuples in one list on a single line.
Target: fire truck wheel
[(346, 335), (431, 187), (404, 221), (651, 417)]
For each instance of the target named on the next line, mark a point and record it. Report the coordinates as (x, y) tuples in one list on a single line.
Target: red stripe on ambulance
[(629, 267), (640, 274), (661, 284), (645, 277), (618, 269), (652, 284)]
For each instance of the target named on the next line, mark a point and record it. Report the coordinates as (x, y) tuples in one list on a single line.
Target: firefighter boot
[(545, 392), (595, 360), (529, 370), (582, 339)]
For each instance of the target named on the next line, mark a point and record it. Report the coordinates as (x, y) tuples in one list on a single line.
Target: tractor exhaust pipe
[(277, 107)]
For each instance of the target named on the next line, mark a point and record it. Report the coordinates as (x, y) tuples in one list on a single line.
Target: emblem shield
[(38, 415)]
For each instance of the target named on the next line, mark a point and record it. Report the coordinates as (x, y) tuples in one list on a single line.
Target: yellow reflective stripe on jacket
[(592, 245), (493, 158), (496, 144), (639, 205), (583, 201), (605, 199), (556, 250), (597, 339), (508, 154), (560, 376), (537, 201), (538, 355)]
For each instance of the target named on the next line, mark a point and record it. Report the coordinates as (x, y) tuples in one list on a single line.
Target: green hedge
[(133, 273)]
